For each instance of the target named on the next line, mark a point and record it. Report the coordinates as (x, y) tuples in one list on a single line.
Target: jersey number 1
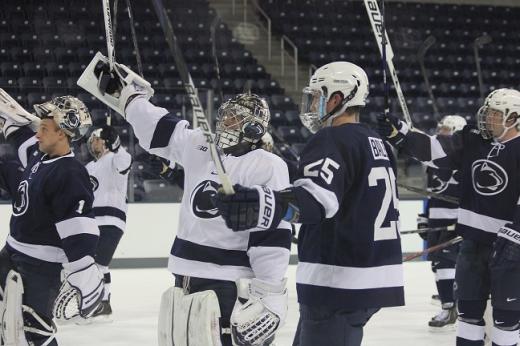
[(388, 177)]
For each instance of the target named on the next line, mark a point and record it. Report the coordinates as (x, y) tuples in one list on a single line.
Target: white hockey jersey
[(109, 178), (204, 246)]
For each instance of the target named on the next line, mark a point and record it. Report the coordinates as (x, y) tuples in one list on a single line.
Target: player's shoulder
[(261, 156), (69, 167)]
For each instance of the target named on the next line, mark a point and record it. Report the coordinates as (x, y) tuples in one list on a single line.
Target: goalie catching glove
[(13, 116), (114, 88), (81, 291), (260, 310)]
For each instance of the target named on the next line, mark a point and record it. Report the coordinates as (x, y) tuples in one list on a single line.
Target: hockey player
[(440, 213), (207, 257), (488, 160), (109, 176), (52, 224), (350, 259)]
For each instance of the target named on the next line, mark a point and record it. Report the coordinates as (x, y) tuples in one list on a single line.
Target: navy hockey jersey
[(350, 257), (489, 184), (10, 173), (52, 217), (445, 182)]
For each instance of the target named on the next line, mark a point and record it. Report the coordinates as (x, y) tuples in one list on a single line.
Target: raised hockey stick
[(479, 42), (134, 38), (198, 112), (430, 194), (379, 31), (433, 249), (428, 230), (430, 41), (213, 31), (110, 46)]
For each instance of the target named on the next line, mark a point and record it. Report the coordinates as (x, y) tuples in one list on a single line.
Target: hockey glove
[(260, 310), (248, 208), (13, 116), (111, 138), (422, 223), (87, 280), (507, 246), (391, 128)]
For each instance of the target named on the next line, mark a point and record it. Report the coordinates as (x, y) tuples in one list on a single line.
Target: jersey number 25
[(387, 175)]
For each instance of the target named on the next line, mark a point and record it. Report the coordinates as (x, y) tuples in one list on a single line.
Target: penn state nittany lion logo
[(21, 203), (71, 119), (489, 178), (200, 200), (94, 182), (438, 185)]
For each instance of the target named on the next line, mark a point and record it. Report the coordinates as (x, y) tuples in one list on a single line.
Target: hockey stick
[(110, 46), (433, 249), (134, 38), (379, 31), (213, 31), (383, 61), (430, 41), (425, 193), (428, 230), (479, 42), (198, 112)]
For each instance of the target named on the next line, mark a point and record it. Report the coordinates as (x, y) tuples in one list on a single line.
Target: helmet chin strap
[(329, 118)]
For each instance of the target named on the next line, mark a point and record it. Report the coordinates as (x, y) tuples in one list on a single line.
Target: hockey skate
[(444, 320)]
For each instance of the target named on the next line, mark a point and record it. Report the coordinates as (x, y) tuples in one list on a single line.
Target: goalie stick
[(433, 249), (198, 112), (376, 20)]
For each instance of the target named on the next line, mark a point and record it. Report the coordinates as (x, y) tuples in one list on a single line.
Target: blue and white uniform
[(52, 217), (109, 177), (204, 247), (349, 247)]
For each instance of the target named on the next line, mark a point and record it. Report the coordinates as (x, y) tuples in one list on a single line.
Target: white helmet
[(342, 77), (242, 121), (500, 106), (69, 113), (451, 124)]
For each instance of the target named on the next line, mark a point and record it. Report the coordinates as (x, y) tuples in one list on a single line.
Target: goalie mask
[(344, 78), (450, 124), (69, 113), (242, 121), (500, 112)]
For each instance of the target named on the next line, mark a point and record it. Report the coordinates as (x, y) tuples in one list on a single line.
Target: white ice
[(136, 294)]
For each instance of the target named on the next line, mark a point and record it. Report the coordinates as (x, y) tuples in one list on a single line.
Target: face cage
[(485, 126), (313, 109), (231, 134)]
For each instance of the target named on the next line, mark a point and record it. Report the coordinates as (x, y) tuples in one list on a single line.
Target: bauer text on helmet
[(343, 78)]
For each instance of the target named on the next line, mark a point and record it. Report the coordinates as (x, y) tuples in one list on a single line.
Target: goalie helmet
[(344, 78), (69, 113), (241, 123), (451, 124), (501, 107)]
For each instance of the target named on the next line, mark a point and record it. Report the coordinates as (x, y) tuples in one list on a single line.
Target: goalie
[(52, 225), (206, 307)]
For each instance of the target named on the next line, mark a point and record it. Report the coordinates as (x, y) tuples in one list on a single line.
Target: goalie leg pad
[(189, 319), (13, 323)]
